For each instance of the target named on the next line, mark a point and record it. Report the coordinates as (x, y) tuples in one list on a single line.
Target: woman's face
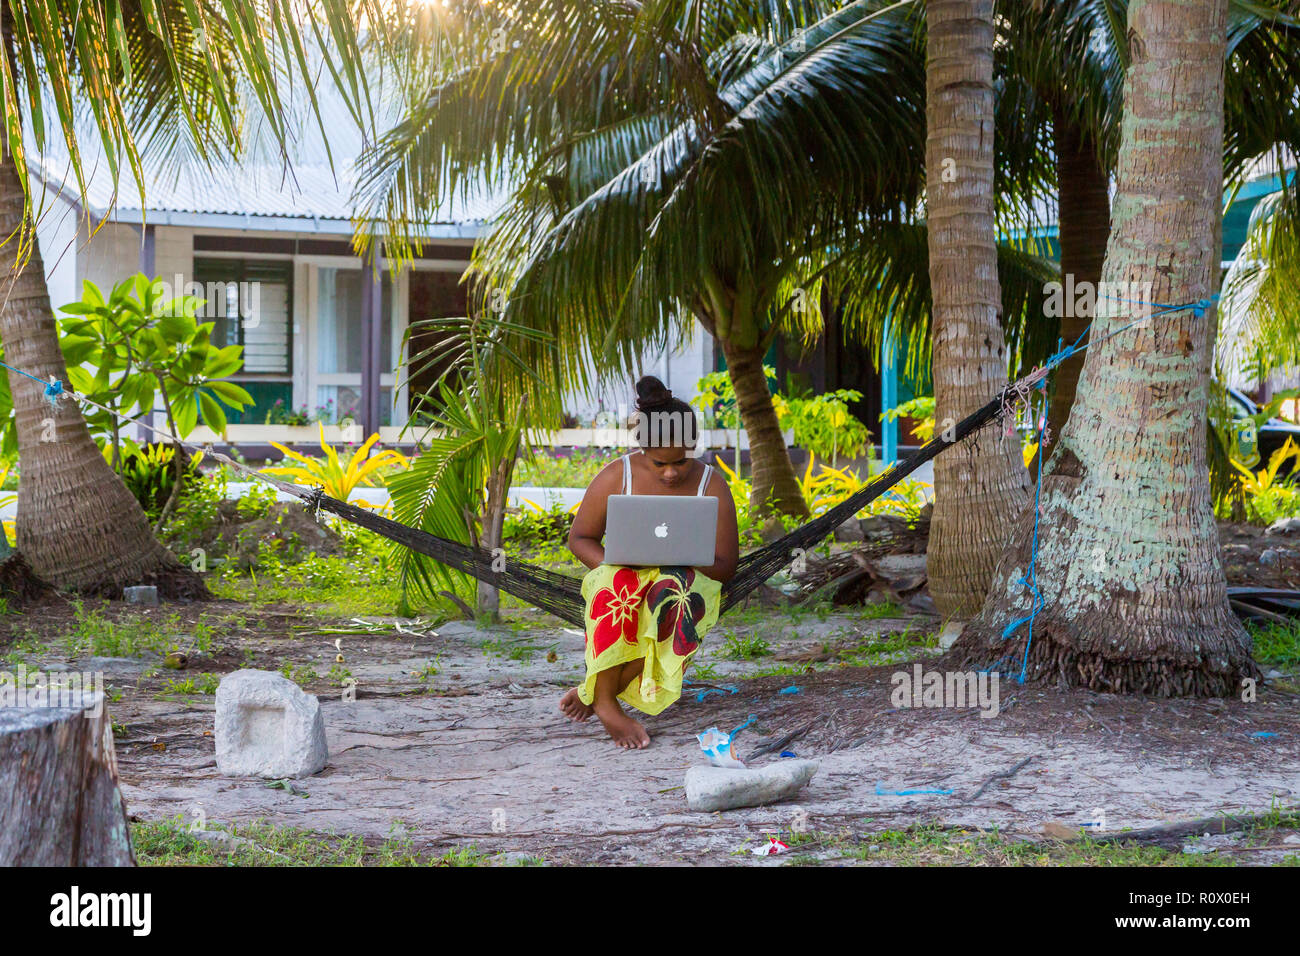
[(670, 466)]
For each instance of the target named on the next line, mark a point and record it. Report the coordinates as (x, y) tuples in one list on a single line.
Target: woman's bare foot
[(573, 708), (626, 732)]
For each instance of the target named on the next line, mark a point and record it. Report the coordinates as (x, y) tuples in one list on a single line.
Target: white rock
[(951, 631), (267, 727), (144, 594), (721, 788)]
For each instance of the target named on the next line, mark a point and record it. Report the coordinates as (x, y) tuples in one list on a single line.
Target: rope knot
[(54, 391)]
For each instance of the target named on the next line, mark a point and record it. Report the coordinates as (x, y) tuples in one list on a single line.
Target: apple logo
[(661, 531)]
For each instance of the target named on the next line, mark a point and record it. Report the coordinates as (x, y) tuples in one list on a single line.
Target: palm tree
[(977, 487), (1128, 564), (157, 80), (647, 197), (1068, 58), (679, 162)]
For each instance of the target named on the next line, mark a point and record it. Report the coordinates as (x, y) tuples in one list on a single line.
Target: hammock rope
[(560, 594)]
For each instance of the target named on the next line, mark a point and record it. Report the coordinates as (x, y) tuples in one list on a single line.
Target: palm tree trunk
[(1084, 203), (979, 488), (78, 525), (772, 481), (1128, 562)]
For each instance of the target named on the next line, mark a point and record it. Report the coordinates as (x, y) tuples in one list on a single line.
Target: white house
[(277, 246)]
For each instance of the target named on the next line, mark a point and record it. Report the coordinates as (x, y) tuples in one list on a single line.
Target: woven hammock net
[(561, 595)]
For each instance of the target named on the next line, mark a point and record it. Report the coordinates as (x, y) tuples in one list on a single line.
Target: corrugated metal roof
[(255, 191)]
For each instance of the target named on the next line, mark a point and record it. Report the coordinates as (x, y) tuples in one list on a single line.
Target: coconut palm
[(153, 81), (1129, 584), (671, 163), (1067, 59), (978, 486)]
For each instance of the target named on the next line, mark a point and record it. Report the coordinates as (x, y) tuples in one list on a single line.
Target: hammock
[(561, 595)]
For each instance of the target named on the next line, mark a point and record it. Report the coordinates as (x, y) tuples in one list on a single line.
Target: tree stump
[(60, 804)]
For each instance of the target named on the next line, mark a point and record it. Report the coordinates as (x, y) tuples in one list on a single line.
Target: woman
[(644, 624)]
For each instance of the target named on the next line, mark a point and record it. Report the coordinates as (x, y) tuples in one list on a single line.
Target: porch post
[(888, 399), (372, 304)]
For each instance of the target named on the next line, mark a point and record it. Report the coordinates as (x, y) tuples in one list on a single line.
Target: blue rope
[(53, 388), (1030, 578)]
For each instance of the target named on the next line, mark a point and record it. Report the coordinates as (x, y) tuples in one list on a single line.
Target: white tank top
[(627, 475)]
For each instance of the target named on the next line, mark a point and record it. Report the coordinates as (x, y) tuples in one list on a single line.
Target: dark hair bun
[(651, 393)]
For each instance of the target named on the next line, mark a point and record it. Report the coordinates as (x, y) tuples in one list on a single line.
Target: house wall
[(680, 365)]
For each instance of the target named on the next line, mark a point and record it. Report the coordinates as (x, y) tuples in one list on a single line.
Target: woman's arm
[(588, 529), (726, 552)]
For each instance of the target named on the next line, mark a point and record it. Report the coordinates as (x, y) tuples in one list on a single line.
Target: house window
[(249, 301), (338, 320)]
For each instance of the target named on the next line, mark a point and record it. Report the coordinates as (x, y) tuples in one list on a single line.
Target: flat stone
[(850, 530), (951, 631), (144, 594), (267, 727), (722, 788), (900, 565)]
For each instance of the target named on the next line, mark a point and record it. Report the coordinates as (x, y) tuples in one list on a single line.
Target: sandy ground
[(478, 752)]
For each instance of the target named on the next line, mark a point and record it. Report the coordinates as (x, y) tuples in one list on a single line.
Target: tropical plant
[(1268, 495), (152, 81), (824, 426), (457, 487), (149, 471), (338, 478), (920, 410)]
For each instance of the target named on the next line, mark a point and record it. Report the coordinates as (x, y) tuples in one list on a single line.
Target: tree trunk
[(59, 799), (980, 487), (1129, 562), (78, 525), (494, 517), (772, 473), (1084, 202)]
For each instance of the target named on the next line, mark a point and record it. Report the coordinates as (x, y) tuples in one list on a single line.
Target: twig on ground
[(1171, 832), (781, 742), (1005, 774)]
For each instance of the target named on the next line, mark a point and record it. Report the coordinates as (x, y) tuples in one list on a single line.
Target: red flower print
[(678, 609), (616, 611)]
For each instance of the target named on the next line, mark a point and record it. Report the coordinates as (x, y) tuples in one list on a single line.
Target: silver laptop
[(661, 530)]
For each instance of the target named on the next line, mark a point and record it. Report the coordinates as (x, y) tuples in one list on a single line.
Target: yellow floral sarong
[(658, 614)]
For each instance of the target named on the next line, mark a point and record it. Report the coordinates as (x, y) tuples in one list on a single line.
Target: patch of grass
[(874, 612), (197, 684), (358, 596), (95, 633), (1278, 645), (745, 648), (930, 845), (173, 843), (708, 671), (301, 674), (782, 670)]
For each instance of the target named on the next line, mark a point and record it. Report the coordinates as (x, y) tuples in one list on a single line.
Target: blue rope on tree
[(1030, 578), (53, 388)]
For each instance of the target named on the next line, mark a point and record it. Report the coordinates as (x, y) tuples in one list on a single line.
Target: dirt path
[(456, 735)]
